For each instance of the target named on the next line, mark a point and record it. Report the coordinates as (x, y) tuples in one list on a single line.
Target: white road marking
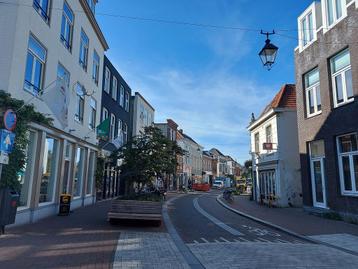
[(222, 238), (297, 242), (206, 241), (217, 241), (196, 242), (215, 220), (243, 239)]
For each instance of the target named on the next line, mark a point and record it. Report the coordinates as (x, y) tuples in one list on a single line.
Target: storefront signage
[(10, 120), (6, 141)]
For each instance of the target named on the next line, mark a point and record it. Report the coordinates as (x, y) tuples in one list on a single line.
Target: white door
[(317, 156), (318, 182)]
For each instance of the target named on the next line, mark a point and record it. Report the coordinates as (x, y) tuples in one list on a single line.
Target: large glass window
[(67, 26), (25, 175), (113, 126), (121, 96), (78, 180), (313, 94), (307, 29), (257, 143), (67, 167), (49, 171), (80, 102), (342, 78), (95, 70), (114, 88), (334, 10), (35, 66), (348, 163), (43, 8), (84, 46), (93, 110), (127, 101), (91, 170), (125, 132), (107, 80)]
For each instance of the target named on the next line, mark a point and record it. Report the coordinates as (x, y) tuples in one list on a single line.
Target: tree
[(146, 157), (247, 169)]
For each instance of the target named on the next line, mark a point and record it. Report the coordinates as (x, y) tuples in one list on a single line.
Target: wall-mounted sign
[(4, 158), (10, 120), (268, 146), (6, 141)]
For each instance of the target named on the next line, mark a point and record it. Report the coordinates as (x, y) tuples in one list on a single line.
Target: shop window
[(91, 170), (25, 176), (49, 171), (78, 179)]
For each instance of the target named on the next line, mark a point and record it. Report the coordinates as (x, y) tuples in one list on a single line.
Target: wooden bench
[(135, 210)]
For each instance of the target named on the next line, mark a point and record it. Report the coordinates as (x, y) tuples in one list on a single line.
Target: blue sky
[(207, 80)]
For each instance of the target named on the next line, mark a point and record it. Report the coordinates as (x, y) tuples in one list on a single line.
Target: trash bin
[(65, 205), (9, 201)]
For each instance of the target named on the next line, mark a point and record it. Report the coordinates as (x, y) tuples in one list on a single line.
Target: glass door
[(317, 174)]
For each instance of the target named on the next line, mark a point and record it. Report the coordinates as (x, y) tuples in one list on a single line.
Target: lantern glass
[(268, 54)]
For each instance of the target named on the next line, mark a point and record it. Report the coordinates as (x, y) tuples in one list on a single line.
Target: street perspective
[(187, 134)]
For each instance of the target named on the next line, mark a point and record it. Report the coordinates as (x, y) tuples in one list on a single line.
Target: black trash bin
[(9, 201)]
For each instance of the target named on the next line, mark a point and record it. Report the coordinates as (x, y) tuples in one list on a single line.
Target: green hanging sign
[(103, 130)]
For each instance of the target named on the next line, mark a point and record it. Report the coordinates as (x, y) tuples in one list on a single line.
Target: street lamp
[(269, 51)]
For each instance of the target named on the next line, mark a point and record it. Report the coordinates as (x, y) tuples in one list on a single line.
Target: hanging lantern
[(269, 51)]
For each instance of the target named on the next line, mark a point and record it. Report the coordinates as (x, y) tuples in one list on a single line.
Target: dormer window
[(308, 23), (334, 10)]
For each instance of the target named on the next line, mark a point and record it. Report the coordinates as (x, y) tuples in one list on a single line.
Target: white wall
[(138, 123), (16, 32)]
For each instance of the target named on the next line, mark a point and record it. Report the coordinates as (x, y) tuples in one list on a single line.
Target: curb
[(282, 229), (189, 257)]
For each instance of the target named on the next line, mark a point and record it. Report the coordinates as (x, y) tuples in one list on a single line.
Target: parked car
[(218, 184)]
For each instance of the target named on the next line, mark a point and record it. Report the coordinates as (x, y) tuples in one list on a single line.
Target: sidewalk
[(85, 239), (294, 219), (338, 233)]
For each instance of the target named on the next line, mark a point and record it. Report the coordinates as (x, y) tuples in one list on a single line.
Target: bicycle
[(227, 195)]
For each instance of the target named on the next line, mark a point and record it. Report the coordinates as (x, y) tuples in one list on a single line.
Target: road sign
[(6, 141), (10, 120), (4, 158)]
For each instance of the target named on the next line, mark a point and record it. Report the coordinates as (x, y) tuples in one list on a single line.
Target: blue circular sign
[(10, 119)]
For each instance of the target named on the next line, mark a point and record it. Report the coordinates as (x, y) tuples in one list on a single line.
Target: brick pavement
[(271, 255), (138, 250), (82, 240), (294, 219)]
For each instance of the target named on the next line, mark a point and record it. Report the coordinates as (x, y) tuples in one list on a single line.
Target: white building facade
[(142, 114), (50, 46), (274, 150)]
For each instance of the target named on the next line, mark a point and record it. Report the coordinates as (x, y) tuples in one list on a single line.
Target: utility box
[(9, 201), (65, 205)]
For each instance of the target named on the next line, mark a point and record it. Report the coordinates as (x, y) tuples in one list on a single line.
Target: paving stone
[(271, 255), (147, 250)]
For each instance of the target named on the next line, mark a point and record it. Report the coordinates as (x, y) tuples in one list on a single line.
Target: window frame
[(33, 89), (114, 88), (67, 43), (84, 45), (325, 17), (80, 99), (314, 88), (125, 132), (96, 67), (45, 14), (112, 125), (126, 97), (92, 114), (341, 72), (121, 95), (350, 155), (107, 80), (257, 143), (104, 113)]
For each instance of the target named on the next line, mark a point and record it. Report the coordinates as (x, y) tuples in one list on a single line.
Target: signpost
[(7, 137)]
